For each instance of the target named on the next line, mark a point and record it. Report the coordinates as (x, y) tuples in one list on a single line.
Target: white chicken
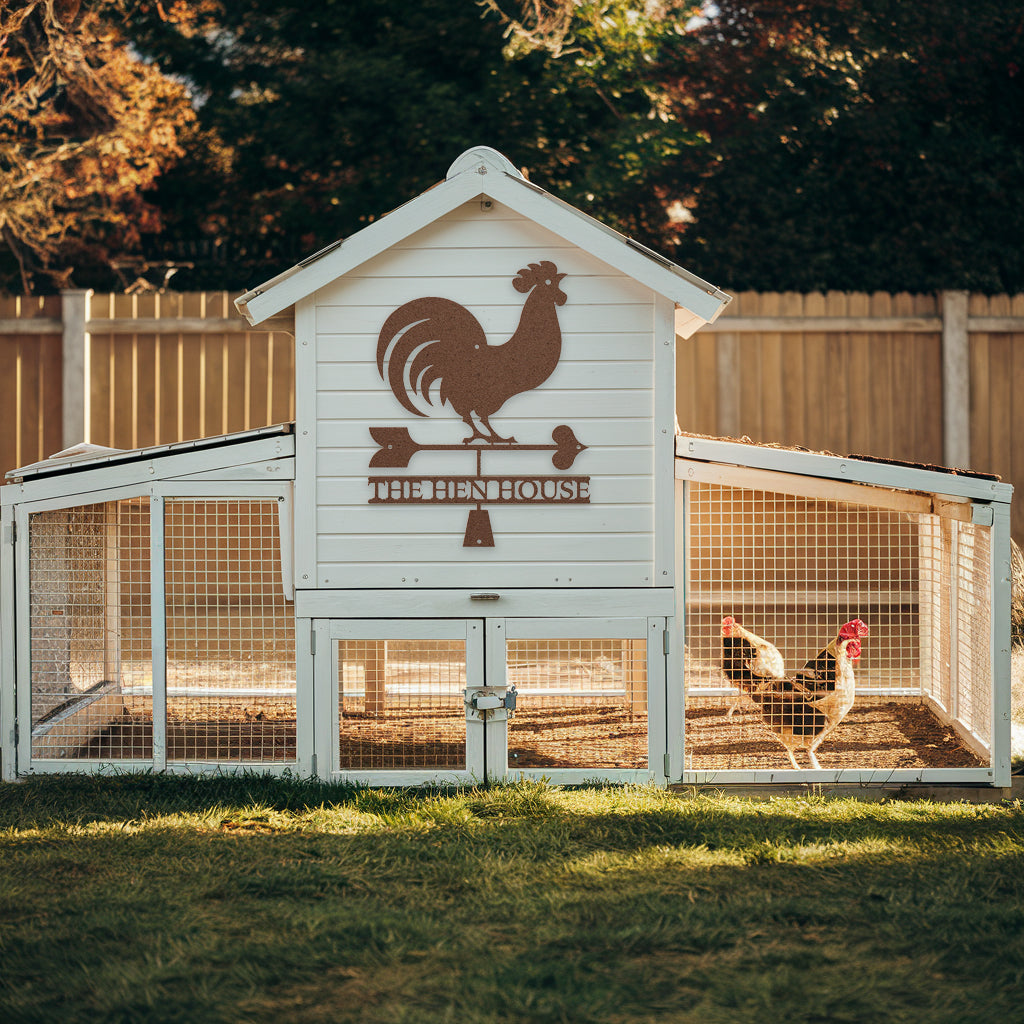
[(750, 661)]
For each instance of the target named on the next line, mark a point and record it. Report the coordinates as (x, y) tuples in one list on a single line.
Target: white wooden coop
[(480, 551)]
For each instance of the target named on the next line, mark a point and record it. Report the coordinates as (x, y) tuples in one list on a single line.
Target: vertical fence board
[(793, 347), (815, 396)]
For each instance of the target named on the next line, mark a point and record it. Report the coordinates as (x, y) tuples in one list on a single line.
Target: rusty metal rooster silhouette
[(434, 339)]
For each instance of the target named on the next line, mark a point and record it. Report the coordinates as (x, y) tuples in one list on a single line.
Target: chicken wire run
[(792, 568), (228, 642)]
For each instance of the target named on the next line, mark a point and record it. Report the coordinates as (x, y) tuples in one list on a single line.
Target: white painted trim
[(583, 776), (999, 633), (618, 628), (257, 472), (657, 700), (286, 541), (878, 474), (8, 647), (74, 487), (664, 386), (324, 664), (306, 345), (674, 697), (23, 643), (575, 227), (459, 603), (123, 767), (158, 629), (222, 489), (864, 777)]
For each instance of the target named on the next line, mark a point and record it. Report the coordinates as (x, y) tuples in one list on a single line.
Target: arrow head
[(568, 447)]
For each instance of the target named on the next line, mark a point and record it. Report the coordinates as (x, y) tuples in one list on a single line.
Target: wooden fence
[(919, 378)]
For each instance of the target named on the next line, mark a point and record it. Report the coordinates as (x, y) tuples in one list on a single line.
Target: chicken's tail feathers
[(420, 341)]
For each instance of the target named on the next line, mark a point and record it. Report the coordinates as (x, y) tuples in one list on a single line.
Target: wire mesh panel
[(792, 571), (91, 675), (582, 703), (230, 633), (401, 704)]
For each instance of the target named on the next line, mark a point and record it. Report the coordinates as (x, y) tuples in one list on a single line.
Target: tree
[(314, 120), (854, 146), (84, 127)]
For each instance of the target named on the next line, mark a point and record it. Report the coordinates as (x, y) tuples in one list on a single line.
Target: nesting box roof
[(482, 172)]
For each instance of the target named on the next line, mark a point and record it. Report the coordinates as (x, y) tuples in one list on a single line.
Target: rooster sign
[(435, 341)]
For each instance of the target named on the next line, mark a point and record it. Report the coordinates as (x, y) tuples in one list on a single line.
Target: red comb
[(727, 623), (854, 629)]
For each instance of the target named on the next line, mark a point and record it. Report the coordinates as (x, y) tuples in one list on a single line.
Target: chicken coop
[(795, 545), (481, 552)]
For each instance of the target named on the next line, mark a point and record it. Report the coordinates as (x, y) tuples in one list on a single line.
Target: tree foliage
[(769, 144), (855, 145), (314, 120), (84, 128)]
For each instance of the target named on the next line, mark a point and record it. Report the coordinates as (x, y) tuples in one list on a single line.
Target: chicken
[(749, 661), (819, 672), (435, 339), (801, 720)]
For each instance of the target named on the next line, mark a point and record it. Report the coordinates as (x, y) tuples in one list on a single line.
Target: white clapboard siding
[(487, 576), (567, 405), (603, 389), (599, 374), (499, 322), (392, 289), (350, 350), (368, 519)]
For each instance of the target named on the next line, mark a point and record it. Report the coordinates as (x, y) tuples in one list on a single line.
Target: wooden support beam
[(75, 367), (956, 381)]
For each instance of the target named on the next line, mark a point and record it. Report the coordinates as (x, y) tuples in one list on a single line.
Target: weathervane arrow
[(397, 447)]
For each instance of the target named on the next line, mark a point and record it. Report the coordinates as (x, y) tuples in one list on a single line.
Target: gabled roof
[(88, 456), (484, 172)]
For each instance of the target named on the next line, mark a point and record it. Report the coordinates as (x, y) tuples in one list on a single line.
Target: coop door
[(589, 694), (392, 699), (406, 701)]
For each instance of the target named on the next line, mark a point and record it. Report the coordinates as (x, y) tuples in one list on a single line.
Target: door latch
[(488, 702)]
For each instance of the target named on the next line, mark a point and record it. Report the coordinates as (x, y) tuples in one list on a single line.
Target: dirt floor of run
[(878, 733)]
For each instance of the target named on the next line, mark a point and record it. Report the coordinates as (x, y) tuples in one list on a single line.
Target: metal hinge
[(667, 765), (10, 532), (312, 640), (665, 641)]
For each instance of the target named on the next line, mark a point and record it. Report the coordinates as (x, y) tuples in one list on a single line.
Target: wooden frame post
[(956, 381), (75, 382)]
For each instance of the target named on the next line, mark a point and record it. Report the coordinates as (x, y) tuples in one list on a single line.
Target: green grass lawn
[(150, 898)]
